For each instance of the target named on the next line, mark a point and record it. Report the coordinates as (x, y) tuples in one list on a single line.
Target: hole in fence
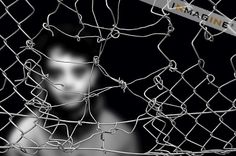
[(185, 123), (195, 104), (204, 118), (8, 26), (182, 90), (192, 79), (220, 103), (223, 132), (7, 58), (205, 90), (198, 135), (190, 113), (20, 10), (2, 10)]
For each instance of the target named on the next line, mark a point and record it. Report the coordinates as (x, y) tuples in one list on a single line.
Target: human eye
[(54, 73), (80, 71)]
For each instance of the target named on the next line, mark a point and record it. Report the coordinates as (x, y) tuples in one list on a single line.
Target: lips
[(69, 97), (70, 101)]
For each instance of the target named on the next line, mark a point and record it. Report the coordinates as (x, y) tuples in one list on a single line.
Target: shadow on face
[(70, 75)]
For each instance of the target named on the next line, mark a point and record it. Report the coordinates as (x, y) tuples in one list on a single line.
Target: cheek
[(54, 90), (82, 84)]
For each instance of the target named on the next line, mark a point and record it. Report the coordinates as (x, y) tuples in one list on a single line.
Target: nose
[(68, 84)]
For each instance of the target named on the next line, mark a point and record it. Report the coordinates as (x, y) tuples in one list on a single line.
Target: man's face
[(70, 75)]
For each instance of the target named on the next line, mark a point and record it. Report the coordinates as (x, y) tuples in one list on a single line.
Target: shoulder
[(108, 116), (112, 120), (120, 135), (23, 127), (26, 132)]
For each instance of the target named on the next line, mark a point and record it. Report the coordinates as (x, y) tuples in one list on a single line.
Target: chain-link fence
[(156, 71)]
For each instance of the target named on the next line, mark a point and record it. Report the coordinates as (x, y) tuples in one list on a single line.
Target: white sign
[(197, 14)]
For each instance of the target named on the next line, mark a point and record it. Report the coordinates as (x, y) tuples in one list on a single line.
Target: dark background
[(127, 58)]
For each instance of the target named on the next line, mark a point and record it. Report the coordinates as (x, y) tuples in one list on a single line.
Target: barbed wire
[(181, 117)]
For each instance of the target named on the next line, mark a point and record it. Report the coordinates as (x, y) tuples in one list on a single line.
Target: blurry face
[(71, 81)]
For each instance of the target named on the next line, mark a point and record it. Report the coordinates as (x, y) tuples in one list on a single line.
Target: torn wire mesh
[(183, 111)]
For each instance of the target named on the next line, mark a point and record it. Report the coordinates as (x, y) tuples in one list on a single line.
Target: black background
[(127, 58)]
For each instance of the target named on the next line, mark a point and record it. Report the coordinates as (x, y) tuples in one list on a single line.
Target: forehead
[(60, 57)]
